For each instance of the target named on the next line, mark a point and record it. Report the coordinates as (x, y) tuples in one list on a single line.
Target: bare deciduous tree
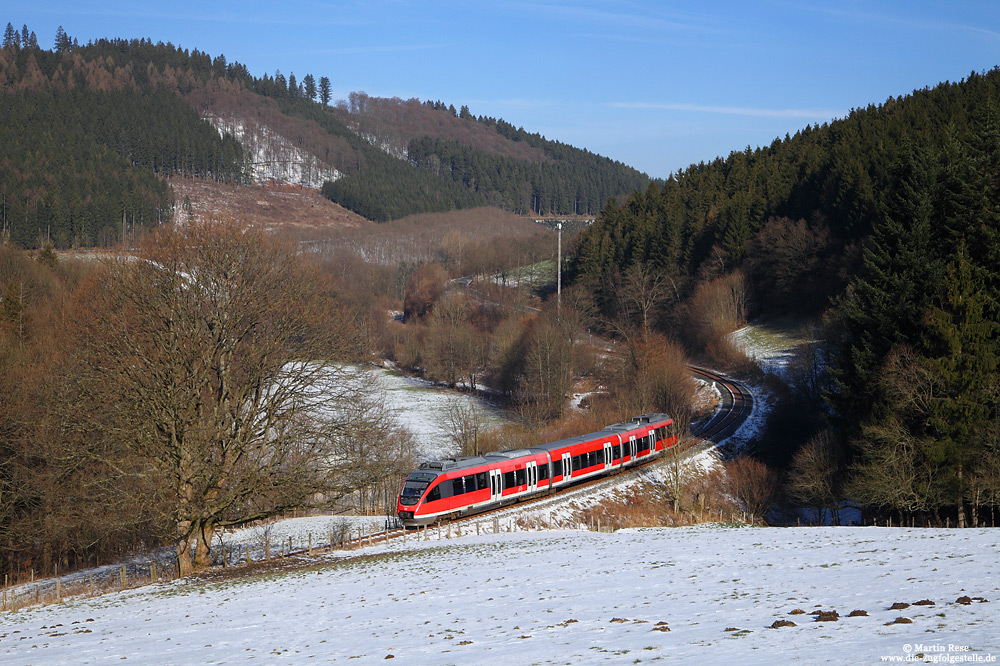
[(815, 474), (465, 423), (716, 309), (753, 484), (640, 293), (548, 368), (212, 356)]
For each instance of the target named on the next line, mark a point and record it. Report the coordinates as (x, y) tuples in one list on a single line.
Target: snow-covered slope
[(275, 159), (705, 594)]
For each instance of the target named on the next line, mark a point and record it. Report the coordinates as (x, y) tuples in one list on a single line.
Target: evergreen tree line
[(572, 182), (915, 357), (380, 187), (85, 141), (886, 221)]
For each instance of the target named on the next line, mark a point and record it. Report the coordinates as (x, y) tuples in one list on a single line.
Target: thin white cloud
[(730, 110), (380, 48), (910, 21), (644, 16)]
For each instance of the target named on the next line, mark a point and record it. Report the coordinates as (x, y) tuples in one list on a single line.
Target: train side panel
[(466, 486)]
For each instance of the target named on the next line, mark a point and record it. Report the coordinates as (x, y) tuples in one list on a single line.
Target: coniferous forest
[(887, 223)]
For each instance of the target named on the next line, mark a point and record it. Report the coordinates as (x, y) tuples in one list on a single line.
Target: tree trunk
[(961, 499), (185, 561), (203, 554)]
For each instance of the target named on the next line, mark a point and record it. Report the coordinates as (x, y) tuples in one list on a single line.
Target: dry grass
[(305, 214), (701, 500)]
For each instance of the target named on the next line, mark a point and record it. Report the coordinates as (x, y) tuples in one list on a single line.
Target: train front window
[(414, 487)]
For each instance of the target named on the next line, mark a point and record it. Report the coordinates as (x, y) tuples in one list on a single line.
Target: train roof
[(465, 462), (449, 464), (638, 422)]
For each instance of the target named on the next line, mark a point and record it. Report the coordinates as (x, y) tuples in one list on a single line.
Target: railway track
[(736, 407)]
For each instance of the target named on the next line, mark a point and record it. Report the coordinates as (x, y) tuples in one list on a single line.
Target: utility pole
[(559, 272)]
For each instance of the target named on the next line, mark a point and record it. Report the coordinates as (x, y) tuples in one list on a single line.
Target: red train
[(459, 486)]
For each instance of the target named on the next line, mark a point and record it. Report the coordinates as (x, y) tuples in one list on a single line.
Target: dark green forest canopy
[(888, 223), (89, 133), (711, 216)]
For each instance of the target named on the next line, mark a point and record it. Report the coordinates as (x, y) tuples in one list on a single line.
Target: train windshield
[(414, 487)]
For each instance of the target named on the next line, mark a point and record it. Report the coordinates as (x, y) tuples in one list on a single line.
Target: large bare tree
[(215, 356)]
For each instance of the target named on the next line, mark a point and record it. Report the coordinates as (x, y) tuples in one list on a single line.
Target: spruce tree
[(324, 90), (883, 307), (960, 349)]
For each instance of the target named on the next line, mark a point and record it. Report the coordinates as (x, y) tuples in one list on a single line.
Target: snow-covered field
[(706, 594), (421, 407)]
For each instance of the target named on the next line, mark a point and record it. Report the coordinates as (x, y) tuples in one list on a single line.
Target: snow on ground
[(421, 406), (273, 157), (773, 346), (705, 594)]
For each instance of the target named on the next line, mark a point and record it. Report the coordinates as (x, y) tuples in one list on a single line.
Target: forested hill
[(793, 214), (887, 222), (90, 131)]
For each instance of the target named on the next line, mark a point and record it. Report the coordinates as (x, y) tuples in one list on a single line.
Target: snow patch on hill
[(273, 158)]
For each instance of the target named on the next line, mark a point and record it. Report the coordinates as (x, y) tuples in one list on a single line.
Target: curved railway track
[(736, 406)]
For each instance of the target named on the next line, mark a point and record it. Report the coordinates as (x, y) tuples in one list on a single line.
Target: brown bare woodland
[(211, 363)]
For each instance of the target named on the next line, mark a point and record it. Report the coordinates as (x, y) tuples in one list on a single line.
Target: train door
[(531, 475), (632, 447), (607, 455), (567, 467), (496, 485)]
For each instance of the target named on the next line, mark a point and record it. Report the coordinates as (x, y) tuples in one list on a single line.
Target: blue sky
[(655, 84)]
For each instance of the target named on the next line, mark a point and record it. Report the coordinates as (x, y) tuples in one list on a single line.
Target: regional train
[(456, 487)]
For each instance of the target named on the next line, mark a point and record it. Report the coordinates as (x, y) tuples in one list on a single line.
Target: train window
[(616, 451), (434, 494), (508, 480), (520, 477), (458, 486), (557, 468), (482, 482), (543, 472), (412, 490)]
